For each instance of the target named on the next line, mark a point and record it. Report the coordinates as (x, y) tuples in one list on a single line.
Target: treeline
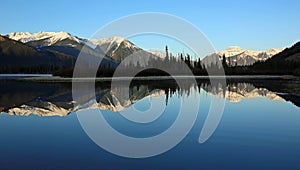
[(176, 66), (280, 64), (276, 68), (39, 69), (285, 62), (103, 71), (277, 65)]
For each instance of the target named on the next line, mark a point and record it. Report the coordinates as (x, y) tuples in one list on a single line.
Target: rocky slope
[(236, 56), (14, 53)]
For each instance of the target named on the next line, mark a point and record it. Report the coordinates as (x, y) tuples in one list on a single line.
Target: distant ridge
[(236, 56)]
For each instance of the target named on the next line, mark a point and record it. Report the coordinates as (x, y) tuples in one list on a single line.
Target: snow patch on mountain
[(158, 53), (109, 42), (236, 56), (49, 38), (238, 92)]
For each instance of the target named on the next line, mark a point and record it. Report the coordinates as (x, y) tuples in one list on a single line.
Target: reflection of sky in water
[(253, 133), (130, 128)]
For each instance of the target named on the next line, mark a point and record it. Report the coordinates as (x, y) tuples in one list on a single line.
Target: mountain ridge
[(236, 56), (15, 53), (113, 49)]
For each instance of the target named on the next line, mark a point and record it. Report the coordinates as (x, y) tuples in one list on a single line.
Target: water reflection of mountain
[(55, 99), (117, 98), (235, 92)]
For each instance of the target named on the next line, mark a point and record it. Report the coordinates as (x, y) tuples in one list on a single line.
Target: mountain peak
[(237, 56), (65, 34), (2, 38), (274, 50), (158, 53), (234, 48), (20, 33), (52, 36), (114, 39)]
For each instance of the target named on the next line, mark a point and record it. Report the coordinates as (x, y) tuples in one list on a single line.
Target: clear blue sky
[(255, 24)]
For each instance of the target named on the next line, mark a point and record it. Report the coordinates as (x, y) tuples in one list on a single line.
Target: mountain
[(285, 62), (116, 47), (289, 54), (61, 42), (43, 38), (108, 45), (236, 56), (119, 48), (158, 53), (59, 48), (49, 45), (113, 49), (17, 54)]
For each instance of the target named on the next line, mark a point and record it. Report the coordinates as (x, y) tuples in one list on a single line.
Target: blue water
[(255, 133)]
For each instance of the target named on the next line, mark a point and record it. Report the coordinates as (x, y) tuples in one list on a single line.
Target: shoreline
[(150, 78)]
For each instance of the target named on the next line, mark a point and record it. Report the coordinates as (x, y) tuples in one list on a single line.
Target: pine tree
[(224, 62)]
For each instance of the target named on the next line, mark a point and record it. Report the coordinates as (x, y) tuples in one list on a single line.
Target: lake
[(258, 127)]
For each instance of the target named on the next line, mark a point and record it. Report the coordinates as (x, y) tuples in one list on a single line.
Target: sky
[(255, 24)]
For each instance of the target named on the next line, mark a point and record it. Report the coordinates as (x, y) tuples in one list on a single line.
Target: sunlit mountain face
[(55, 99), (236, 56), (111, 49)]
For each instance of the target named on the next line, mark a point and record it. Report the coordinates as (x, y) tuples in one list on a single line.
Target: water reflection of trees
[(234, 90), (55, 96)]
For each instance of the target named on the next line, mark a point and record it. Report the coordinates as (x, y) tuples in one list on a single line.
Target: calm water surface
[(260, 126)]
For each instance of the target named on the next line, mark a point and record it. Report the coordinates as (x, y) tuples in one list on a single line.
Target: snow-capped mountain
[(112, 48), (158, 53), (119, 48), (14, 54), (61, 42), (52, 38), (107, 43), (116, 47), (45, 38), (236, 56)]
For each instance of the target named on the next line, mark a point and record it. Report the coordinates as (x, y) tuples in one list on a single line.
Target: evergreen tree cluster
[(277, 65)]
